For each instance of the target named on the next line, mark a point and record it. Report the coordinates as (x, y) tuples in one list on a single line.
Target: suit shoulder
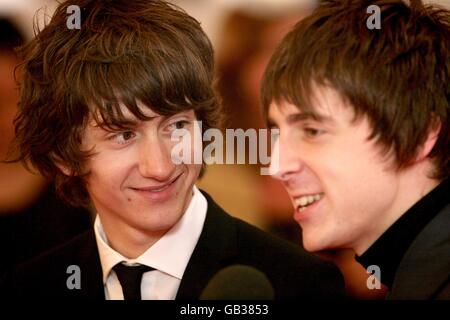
[(254, 239), (285, 262), (51, 266), (64, 252)]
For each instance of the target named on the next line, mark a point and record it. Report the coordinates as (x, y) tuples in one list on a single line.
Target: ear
[(64, 169), (432, 136), (59, 163)]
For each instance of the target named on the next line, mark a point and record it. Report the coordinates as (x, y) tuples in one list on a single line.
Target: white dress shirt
[(169, 256)]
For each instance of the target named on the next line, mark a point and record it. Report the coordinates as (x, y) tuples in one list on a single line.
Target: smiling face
[(345, 193), (136, 189)]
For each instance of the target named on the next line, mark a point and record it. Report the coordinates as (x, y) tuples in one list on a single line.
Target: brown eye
[(179, 125), (127, 135), (122, 137), (313, 132)]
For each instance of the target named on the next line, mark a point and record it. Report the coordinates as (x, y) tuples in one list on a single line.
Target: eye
[(312, 132), (181, 124), (122, 137)]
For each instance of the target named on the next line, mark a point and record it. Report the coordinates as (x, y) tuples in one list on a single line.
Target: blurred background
[(244, 34)]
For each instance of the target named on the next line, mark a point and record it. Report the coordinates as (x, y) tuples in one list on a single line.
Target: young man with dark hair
[(98, 108), (364, 139)]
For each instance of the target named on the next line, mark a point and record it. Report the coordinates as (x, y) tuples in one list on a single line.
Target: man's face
[(345, 193), (133, 183)]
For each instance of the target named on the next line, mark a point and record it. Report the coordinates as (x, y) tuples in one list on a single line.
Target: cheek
[(193, 172), (359, 195), (99, 186), (106, 176), (351, 164), (347, 180)]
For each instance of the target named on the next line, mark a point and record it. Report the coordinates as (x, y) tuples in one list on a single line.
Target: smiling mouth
[(158, 188), (301, 203)]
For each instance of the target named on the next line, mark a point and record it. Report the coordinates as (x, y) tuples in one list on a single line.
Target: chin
[(155, 226), (312, 244), (311, 247)]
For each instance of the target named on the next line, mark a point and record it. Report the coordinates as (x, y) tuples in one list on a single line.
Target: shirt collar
[(171, 253)]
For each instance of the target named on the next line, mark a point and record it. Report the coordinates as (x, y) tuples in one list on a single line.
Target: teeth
[(304, 201)]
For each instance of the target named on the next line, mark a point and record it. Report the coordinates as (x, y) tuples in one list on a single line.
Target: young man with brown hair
[(97, 112), (364, 139)]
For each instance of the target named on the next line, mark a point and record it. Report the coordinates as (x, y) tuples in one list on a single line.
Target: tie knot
[(130, 279)]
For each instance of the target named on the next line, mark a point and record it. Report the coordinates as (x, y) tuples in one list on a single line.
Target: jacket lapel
[(426, 265), (215, 249)]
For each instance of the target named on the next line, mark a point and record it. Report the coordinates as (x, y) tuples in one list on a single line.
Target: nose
[(285, 161), (154, 159)]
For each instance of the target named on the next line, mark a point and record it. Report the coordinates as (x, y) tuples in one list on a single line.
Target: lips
[(158, 188), (159, 193)]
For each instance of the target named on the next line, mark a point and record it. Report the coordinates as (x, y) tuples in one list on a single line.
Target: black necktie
[(130, 279)]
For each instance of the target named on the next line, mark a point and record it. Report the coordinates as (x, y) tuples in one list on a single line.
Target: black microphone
[(238, 282)]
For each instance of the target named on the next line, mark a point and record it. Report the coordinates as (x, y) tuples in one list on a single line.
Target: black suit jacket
[(224, 241), (25, 234), (424, 272)]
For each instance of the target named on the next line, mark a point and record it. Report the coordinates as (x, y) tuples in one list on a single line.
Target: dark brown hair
[(397, 76), (125, 52)]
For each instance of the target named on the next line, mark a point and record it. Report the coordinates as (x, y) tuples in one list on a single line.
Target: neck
[(413, 185), (128, 241)]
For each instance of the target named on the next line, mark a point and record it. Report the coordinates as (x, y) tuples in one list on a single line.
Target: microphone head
[(238, 282)]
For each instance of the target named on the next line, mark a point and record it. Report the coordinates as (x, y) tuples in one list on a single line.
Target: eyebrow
[(308, 115), (303, 116), (126, 123)]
